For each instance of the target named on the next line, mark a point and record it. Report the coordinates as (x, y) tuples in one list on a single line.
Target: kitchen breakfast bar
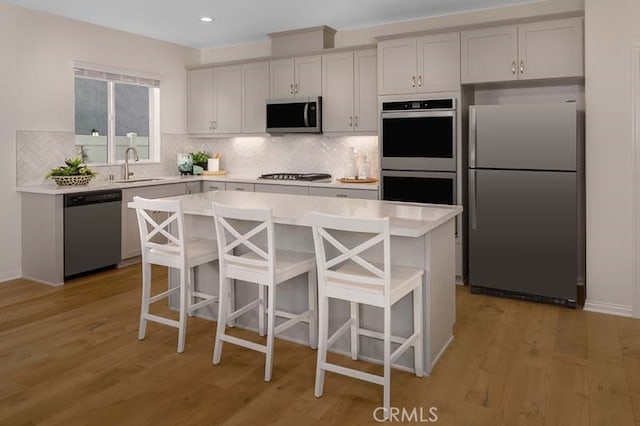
[(422, 236)]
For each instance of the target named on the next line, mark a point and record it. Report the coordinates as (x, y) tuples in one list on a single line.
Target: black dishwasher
[(92, 228)]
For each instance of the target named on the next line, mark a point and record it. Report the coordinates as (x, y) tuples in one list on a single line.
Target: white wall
[(611, 30), (36, 81)]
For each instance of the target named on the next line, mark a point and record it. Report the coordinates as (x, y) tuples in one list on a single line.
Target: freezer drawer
[(523, 232)]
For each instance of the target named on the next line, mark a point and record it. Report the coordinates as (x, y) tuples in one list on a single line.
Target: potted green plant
[(200, 159), (74, 172)]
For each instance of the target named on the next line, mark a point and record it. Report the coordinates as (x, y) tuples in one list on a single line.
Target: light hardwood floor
[(70, 356)]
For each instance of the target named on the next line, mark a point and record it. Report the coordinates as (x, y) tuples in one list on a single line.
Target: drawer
[(282, 189), (239, 186), (344, 193), (212, 186)]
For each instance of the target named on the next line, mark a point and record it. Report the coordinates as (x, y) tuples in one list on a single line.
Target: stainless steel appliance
[(418, 151), (91, 231), (314, 177), (523, 210), (299, 115)]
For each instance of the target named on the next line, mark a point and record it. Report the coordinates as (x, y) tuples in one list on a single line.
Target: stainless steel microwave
[(294, 115)]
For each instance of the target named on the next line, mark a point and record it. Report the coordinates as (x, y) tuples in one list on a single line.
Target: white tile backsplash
[(40, 151)]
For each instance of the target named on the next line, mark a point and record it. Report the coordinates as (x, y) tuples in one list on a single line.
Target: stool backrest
[(161, 234), (238, 231), (333, 251)]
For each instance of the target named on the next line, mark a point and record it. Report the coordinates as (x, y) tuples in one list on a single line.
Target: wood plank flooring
[(70, 356)]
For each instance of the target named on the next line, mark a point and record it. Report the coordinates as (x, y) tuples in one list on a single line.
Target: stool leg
[(271, 314), (387, 362), (313, 309), (191, 287), (355, 327), (222, 319), (231, 299), (323, 329), (261, 328), (417, 328), (146, 294), (182, 327)]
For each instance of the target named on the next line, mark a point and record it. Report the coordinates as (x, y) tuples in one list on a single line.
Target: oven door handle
[(473, 214), (418, 114)]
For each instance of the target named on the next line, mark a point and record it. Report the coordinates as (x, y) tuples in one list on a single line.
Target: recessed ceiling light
[(206, 19)]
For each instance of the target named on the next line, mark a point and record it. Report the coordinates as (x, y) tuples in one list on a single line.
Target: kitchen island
[(422, 236)]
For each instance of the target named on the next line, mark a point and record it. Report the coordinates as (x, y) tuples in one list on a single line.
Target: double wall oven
[(418, 151)]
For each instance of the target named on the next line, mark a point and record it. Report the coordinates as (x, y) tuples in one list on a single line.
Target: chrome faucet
[(127, 173)]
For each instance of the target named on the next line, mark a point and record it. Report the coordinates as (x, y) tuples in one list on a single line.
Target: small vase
[(185, 164)]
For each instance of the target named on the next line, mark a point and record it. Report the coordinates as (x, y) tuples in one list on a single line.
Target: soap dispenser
[(350, 170), (364, 172)]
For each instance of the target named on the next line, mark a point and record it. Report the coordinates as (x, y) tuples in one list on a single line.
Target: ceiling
[(239, 22)]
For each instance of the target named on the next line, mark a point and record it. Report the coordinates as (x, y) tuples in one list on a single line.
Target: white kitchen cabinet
[(200, 101), (419, 64), (295, 77), (193, 187), (255, 91), (344, 192), (547, 49), (282, 189), (214, 103), (349, 92), (130, 232)]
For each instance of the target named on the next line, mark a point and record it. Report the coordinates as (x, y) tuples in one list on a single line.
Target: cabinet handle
[(210, 125), (356, 121), (291, 89), (215, 124), (341, 195), (513, 67), (295, 88), (350, 121), (419, 81), (239, 189), (413, 81), (521, 67)]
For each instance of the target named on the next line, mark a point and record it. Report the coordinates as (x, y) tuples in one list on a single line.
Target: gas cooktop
[(316, 177)]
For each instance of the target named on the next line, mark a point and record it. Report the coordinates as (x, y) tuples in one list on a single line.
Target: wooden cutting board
[(218, 173), (350, 180)]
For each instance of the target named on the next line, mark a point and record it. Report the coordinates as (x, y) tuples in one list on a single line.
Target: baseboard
[(8, 276), (437, 357), (49, 283), (608, 308)]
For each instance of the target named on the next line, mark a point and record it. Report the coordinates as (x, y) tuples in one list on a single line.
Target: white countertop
[(407, 219), (50, 186)]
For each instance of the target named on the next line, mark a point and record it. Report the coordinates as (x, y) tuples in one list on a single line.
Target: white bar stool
[(162, 240), (245, 256), (343, 274)]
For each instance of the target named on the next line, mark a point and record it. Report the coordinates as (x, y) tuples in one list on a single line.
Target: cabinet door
[(200, 101), (239, 186), (308, 76), (365, 91), (551, 49), (281, 78), (255, 91), (227, 98), (397, 66), (337, 92), (193, 187), (439, 63), (212, 186), (489, 54)]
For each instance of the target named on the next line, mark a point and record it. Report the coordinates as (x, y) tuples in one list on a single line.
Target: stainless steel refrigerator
[(522, 201)]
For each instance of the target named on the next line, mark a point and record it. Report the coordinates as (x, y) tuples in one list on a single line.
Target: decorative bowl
[(72, 180)]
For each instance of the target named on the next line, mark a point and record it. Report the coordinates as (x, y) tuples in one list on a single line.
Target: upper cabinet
[(349, 92), (296, 77), (548, 49), (214, 100), (419, 64), (255, 91)]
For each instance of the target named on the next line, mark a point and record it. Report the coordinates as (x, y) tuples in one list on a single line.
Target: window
[(113, 111)]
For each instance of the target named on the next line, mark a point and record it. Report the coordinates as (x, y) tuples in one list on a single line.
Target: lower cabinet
[(344, 193), (130, 232)]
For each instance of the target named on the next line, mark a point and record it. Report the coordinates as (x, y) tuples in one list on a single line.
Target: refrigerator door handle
[(472, 136), (473, 215)]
